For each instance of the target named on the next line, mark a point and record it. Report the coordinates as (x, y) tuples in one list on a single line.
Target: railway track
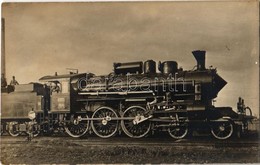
[(66, 150), (124, 141)]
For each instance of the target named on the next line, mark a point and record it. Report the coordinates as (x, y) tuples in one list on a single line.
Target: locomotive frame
[(134, 99)]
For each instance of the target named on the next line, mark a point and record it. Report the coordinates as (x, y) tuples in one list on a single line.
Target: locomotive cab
[(61, 92)]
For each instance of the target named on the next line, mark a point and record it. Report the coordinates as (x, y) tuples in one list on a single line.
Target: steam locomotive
[(134, 99)]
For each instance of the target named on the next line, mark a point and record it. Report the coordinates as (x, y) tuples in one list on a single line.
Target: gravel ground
[(66, 150)]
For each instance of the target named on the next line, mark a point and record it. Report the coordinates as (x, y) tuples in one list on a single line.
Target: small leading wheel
[(222, 130), (178, 132), (137, 125), (104, 123), (13, 129), (77, 127)]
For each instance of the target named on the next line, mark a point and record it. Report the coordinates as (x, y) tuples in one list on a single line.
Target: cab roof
[(61, 77)]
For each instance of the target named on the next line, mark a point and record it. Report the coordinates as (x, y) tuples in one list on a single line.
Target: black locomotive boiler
[(136, 100)]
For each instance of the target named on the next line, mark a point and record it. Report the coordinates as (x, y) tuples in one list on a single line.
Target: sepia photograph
[(130, 82)]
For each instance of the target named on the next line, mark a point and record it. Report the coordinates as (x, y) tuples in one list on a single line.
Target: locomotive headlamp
[(31, 115)]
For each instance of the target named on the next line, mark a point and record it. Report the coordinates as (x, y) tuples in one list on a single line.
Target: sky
[(44, 38)]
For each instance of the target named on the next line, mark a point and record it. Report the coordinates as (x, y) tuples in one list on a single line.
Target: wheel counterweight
[(77, 128), (136, 127), (104, 126)]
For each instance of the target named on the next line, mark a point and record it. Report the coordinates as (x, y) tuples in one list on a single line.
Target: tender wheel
[(137, 125), (77, 128), (13, 129), (2, 129), (178, 132), (34, 129), (222, 130), (105, 125)]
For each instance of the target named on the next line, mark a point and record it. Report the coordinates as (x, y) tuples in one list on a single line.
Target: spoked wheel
[(104, 124), (137, 125), (2, 129), (77, 127), (178, 132), (222, 130), (35, 130), (13, 129)]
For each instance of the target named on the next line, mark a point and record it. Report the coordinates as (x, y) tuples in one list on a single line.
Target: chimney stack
[(200, 58), (3, 48)]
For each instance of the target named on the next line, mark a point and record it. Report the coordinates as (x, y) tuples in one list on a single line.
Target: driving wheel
[(104, 123), (76, 127), (137, 125)]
